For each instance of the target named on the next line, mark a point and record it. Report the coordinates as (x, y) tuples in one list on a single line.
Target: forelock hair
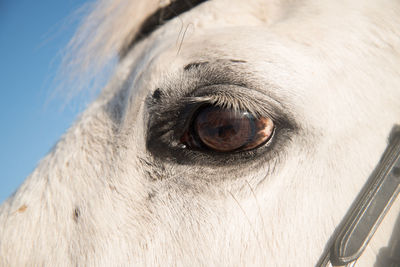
[(106, 29)]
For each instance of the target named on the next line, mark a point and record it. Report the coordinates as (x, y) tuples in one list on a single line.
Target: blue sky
[(31, 36)]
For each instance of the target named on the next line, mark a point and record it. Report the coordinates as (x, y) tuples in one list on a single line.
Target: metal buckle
[(369, 208)]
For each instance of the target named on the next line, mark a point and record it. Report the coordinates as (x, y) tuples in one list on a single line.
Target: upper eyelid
[(197, 75), (190, 87)]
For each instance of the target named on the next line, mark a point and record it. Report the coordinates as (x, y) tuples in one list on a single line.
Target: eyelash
[(232, 100)]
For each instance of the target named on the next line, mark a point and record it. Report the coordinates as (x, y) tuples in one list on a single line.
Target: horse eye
[(226, 130)]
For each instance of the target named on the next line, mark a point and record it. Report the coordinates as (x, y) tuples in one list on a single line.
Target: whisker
[(258, 206), (248, 220), (183, 37), (259, 211)]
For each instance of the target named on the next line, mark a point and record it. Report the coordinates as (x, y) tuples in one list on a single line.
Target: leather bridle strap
[(369, 209)]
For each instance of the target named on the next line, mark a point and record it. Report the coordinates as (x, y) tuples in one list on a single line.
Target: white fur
[(334, 64)]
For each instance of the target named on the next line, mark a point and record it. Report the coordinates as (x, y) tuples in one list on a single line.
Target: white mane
[(103, 33)]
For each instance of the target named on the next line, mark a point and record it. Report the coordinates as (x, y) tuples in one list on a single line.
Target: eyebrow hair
[(159, 17)]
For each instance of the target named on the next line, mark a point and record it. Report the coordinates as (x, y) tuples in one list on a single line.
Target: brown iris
[(226, 130)]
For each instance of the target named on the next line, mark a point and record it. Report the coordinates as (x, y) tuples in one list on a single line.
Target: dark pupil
[(223, 129)]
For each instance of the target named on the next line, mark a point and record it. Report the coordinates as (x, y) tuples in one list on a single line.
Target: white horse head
[(303, 93)]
